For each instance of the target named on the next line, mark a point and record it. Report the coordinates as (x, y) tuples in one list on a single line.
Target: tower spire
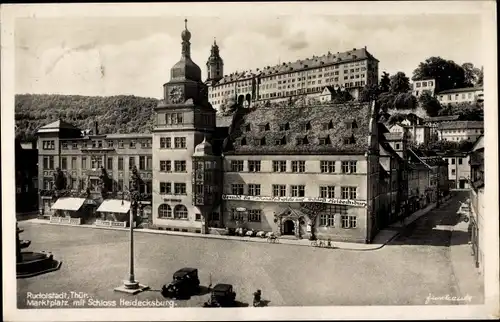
[(186, 46), (185, 24)]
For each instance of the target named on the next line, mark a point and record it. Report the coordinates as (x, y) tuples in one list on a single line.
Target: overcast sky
[(112, 56)]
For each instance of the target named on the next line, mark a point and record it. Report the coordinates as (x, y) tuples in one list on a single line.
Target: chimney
[(96, 131)]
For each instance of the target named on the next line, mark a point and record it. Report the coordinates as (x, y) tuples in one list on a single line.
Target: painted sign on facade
[(333, 201)]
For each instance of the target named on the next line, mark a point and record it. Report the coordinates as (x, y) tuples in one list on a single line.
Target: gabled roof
[(479, 144), (461, 90), (462, 125), (308, 63), (329, 89), (56, 126), (316, 115)]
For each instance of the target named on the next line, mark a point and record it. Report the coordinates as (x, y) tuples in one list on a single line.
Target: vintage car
[(222, 295), (185, 282)]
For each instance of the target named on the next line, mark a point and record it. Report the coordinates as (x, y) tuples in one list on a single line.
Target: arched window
[(164, 211), (180, 212)]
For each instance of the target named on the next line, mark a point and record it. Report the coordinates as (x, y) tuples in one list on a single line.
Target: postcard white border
[(484, 8)]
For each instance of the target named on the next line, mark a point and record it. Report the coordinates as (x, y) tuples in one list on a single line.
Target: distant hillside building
[(461, 95), (434, 122), (423, 86), (460, 130), (350, 70)]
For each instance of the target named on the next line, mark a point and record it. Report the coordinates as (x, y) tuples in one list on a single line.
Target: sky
[(106, 56)]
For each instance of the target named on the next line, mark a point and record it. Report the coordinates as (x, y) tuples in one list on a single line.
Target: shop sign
[(333, 201)]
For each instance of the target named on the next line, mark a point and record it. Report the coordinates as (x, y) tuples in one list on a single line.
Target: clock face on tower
[(175, 95)]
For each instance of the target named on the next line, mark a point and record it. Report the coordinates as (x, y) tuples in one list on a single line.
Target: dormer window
[(351, 124), (281, 141), (260, 141), (327, 126), (284, 126), (264, 127), (302, 140), (324, 140), (305, 126), (243, 141), (349, 140)]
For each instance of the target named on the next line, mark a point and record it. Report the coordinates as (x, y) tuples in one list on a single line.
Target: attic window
[(327, 126), (306, 65), (247, 128), (302, 140), (349, 140), (324, 140), (305, 126), (243, 141), (281, 141), (351, 124), (264, 127), (354, 56), (284, 126)]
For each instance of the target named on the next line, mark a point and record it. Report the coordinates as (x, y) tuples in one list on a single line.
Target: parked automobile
[(222, 295), (261, 234), (251, 233), (185, 282)]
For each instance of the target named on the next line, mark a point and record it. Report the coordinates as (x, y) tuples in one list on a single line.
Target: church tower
[(183, 119), (215, 65)]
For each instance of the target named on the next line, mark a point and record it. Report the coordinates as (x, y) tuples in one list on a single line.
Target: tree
[(59, 183), (430, 104), (399, 83), (341, 96), (405, 101), (368, 93), (227, 106), (385, 82), (447, 74), (106, 184), (480, 78), (312, 210), (471, 74)]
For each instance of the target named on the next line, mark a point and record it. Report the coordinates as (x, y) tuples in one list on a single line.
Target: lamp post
[(131, 286)]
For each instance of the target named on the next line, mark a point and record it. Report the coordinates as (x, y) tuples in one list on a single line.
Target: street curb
[(209, 236), (368, 247)]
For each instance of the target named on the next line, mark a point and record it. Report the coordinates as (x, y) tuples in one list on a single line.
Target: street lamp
[(131, 286)]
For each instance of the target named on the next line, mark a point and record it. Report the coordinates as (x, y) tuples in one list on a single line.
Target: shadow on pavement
[(240, 304)]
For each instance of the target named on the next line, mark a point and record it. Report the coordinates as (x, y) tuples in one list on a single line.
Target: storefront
[(113, 213), (70, 210), (298, 217)]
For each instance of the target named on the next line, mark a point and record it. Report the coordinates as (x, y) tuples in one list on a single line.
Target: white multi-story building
[(422, 86), (350, 70), (461, 95), (460, 130)]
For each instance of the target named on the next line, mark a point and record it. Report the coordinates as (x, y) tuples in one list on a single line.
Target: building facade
[(459, 172), (476, 223), (460, 131), (350, 70), (81, 157), (461, 95), (423, 86), (417, 134)]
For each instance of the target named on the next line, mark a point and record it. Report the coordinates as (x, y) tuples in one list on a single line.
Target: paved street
[(404, 272)]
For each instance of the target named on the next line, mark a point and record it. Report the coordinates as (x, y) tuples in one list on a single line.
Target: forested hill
[(114, 114)]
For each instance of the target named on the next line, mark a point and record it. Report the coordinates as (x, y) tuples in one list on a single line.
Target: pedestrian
[(257, 297)]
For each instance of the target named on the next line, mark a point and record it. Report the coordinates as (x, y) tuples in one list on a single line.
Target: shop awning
[(114, 205), (72, 204)]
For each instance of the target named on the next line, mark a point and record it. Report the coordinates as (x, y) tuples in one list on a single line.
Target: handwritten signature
[(447, 297)]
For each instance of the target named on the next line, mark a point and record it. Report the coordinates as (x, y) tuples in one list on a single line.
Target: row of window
[(452, 160), (253, 215), (179, 212), (179, 143), (425, 84), (302, 126), (280, 190), (456, 96), (94, 184), (296, 166), (166, 188), (48, 145), (166, 166), (145, 163), (464, 131), (144, 144)]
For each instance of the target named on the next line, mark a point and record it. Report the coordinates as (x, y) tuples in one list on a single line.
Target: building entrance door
[(288, 228), (461, 184)]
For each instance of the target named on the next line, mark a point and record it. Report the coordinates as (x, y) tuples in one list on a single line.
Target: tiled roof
[(477, 158), (462, 125), (308, 63), (461, 90), (247, 138), (129, 136), (56, 126), (442, 118)]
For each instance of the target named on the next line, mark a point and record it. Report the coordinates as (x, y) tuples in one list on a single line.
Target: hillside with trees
[(114, 114)]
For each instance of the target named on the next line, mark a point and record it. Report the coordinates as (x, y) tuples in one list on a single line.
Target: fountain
[(29, 264)]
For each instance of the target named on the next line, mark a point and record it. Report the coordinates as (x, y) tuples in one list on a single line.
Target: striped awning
[(72, 204), (115, 206)]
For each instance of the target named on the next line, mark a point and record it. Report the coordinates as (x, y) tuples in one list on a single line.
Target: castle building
[(350, 70)]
